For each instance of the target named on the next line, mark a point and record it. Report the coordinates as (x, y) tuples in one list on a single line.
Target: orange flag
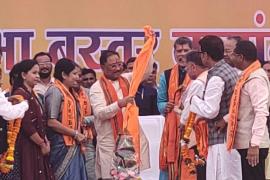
[(131, 120)]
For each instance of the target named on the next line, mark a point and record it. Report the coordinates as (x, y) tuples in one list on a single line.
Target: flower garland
[(191, 163), (13, 129)]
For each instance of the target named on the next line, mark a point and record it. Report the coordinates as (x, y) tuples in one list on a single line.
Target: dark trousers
[(253, 173), (200, 170)]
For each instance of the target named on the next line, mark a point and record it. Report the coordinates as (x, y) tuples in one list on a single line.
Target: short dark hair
[(265, 62), (63, 65), (236, 38), (131, 60), (195, 57), (247, 49), (182, 41), (42, 54), (87, 71), (105, 54), (213, 46)]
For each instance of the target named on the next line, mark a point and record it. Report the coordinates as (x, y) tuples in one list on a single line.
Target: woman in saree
[(65, 133), (32, 143)]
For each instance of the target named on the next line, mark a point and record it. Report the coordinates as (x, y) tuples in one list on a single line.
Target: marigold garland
[(191, 163), (13, 129)]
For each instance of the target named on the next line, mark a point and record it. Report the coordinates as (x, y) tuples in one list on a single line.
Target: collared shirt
[(9, 111), (41, 88), (196, 88)]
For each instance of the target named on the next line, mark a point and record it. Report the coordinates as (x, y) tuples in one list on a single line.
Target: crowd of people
[(64, 126)]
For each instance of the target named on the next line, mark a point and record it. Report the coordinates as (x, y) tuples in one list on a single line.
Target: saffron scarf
[(235, 101), (201, 127), (111, 97), (169, 145), (69, 113), (131, 120), (85, 109), (84, 102), (201, 133)]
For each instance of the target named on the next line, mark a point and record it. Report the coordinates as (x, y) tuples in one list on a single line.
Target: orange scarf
[(235, 101), (169, 145), (131, 120), (84, 102), (69, 113), (85, 109), (201, 133), (111, 97)]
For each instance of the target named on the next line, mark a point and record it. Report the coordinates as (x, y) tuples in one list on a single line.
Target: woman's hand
[(45, 147), (79, 137)]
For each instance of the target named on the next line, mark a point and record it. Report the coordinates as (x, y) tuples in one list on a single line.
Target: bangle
[(76, 134)]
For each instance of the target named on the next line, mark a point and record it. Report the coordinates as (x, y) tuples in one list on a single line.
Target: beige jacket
[(253, 112)]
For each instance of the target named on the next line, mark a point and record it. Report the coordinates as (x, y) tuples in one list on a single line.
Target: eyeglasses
[(45, 63)]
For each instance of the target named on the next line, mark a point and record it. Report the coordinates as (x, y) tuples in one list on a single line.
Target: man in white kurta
[(198, 73), (103, 115), (221, 78)]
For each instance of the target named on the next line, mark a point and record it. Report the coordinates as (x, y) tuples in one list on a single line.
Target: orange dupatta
[(235, 101), (84, 102), (111, 97), (131, 121), (85, 109), (69, 113), (169, 145), (201, 133), (201, 127)]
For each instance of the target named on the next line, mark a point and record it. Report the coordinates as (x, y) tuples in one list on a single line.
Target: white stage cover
[(152, 127)]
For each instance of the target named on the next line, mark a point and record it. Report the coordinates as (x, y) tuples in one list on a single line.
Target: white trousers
[(222, 164), (267, 166)]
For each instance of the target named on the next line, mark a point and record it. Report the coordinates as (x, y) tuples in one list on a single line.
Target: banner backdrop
[(80, 29)]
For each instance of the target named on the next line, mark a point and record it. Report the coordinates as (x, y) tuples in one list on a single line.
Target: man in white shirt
[(198, 73), (214, 105), (107, 113), (8, 112), (44, 61)]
